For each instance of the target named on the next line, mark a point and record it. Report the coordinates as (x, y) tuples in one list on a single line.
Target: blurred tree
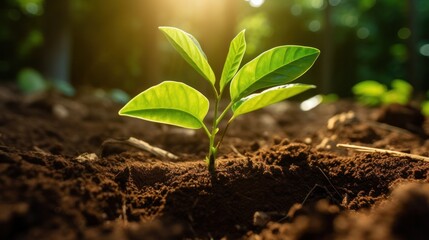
[(329, 50), (56, 50), (20, 35)]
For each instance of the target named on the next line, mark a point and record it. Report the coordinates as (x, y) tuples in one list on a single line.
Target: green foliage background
[(116, 44)]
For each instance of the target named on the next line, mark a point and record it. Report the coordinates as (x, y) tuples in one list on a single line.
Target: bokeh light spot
[(256, 3), (317, 4), (350, 20), (424, 50), (404, 33), (314, 26), (296, 10), (362, 32), (311, 103), (32, 8)]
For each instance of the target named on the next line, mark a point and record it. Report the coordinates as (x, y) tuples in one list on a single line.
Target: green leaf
[(369, 88), (394, 96), (425, 108), (274, 67), (402, 86), (190, 50), (233, 59), (31, 81), (270, 96), (197, 44), (169, 102)]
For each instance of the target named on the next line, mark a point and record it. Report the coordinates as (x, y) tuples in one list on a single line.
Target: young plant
[(373, 93), (178, 104)]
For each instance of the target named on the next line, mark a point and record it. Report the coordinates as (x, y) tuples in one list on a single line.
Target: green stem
[(224, 133), (217, 95), (211, 157), (206, 130), (212, 149), (222, 115)]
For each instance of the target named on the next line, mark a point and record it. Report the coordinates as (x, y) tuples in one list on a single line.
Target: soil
[(279, 173)]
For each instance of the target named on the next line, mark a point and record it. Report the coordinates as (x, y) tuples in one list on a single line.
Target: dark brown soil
[(279, 174)]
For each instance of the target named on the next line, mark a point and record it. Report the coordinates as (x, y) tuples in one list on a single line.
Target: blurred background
[(117, 44)]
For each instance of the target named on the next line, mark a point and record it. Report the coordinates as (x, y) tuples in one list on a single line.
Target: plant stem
[(223, 133), (212, 149), (211, 157), (222, 115), (206, 130)]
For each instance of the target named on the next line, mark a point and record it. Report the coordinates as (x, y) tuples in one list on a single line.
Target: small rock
[(260, 219), (60, 111), (84, 157)]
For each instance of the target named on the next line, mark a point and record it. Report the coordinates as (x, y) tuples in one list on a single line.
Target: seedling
[(373, 93), (178, 104)]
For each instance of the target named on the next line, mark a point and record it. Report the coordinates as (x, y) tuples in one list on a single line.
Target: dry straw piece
[(379, 150)]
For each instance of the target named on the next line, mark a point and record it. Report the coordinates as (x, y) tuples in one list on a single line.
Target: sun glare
[(256, 3)]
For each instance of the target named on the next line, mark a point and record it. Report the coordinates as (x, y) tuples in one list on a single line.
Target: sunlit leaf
[(394, 96), (274, 67), (400, 92), (402, 86), (425, 108), (190, 50), (270, 96), (233, 59), (169, 102), (369, 88), (197, 44)]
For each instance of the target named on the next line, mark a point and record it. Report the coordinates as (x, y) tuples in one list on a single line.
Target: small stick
[(330, 183), (41, 151), (146, 146), (236, 151), (372, 150), (140, 144)]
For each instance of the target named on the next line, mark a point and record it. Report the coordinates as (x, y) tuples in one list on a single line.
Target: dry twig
[(234, 149), (379, 150), (140, 144)]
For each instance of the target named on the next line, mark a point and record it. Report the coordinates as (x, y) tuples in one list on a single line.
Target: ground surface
[(279, 174)]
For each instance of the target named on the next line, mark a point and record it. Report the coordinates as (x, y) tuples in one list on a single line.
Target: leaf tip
[(165, 28), (121, 111)]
